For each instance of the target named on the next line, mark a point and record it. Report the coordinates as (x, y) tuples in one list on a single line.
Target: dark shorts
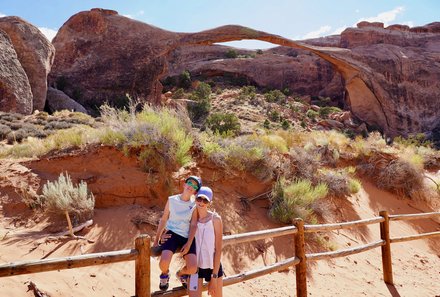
[(206, 273), (176, 242)]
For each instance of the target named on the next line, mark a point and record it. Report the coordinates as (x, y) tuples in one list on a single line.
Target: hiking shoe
[(164, 282), (183, 279)]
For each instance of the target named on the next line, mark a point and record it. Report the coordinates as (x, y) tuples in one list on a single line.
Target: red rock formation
[(15, 91), (298, 70), (35, 54), (391, 77)]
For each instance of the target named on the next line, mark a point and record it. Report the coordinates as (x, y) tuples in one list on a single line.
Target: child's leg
[(165, 260), (190, 264), (219, 291)]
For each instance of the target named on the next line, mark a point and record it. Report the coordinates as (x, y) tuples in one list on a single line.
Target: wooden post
[(301, 268), (142, 266), (386, 249)]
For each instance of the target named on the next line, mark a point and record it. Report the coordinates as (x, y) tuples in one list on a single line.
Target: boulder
[(57, 100), (34, 52), (15, 91)]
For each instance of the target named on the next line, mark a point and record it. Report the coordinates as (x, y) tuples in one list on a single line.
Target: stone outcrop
[(35, 54), (15, 91), (390, 76), (298, 70), (57, 100)]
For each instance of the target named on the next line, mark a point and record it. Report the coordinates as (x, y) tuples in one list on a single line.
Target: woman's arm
[(218, 230), (162, 224)]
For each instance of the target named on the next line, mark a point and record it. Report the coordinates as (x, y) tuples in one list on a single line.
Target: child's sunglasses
[(190, 183)]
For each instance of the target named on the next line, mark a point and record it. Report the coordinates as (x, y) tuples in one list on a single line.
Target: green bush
[(179, 93), (259, 52), (275, 96), (311, 114), (294, 199), (185, 80), (231, 54), (285, 124), (4, 131), (266, 124), (326, 110), (223, 123), (274, 116), (199, 110), (248, 92)]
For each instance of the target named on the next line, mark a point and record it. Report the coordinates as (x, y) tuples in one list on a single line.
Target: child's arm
[(162, 224), (192, 232)]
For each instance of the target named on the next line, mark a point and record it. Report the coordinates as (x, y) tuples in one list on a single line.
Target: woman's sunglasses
[(200, 199), (195, 187)]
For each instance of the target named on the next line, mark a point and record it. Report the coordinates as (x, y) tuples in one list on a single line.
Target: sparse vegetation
[(294, 199), (223, 123), (231, 54), (62, 197), (275, 96), (199, 110)]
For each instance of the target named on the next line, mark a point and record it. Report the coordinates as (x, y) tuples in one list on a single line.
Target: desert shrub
[(311, 114), (259, 51), (243, 153), (112, 137), (266, 124), (285, 124), (15, 136), (274, 116), (57, 125), (418, 139), (326, 110), (162, 131), (61, 196), (275, 142), (185, 80), (4, 131), (9, 117), (231, 54), (179, 93), (339, 182), (223, 123), (294, 199), (248, 92), (400, 177), (16, 125), (199, 110), (275, 96), (306, 164)]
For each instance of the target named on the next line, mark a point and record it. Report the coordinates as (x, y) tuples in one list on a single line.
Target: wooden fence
[(141, 254)]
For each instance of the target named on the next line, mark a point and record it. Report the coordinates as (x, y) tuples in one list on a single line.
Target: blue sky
[(293, 19)]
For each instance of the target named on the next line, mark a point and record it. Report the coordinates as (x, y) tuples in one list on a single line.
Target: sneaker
[(164, 282), (183, 279)]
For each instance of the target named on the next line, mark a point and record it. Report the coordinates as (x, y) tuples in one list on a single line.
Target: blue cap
[(205, 192), (197, 179)]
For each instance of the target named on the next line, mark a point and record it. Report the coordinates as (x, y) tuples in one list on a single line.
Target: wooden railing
[(141, 254)]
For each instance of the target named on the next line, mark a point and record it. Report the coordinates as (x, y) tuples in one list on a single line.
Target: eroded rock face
[(298, 70), (15, 91), (35, 54), (102, 56), (390, 75)]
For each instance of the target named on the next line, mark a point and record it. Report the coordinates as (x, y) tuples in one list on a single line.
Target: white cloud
[(49, 33), (385, 17), (357, 11), (2, 15), (409, 23), (339, 30), (128, 16), (136, 15), (320, 32)]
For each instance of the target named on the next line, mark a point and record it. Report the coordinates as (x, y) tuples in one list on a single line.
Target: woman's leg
[(165, 260), (197, 293), (219, 291), (191, 264)]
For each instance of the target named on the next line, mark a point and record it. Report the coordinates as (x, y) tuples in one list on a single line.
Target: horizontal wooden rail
[(345, 225), (27, 267), (416, 216), (257, 235), (415, 237), (237, 278), (346, 252)]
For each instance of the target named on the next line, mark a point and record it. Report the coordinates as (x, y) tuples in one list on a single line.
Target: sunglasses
[(195, 187), (200, 199)]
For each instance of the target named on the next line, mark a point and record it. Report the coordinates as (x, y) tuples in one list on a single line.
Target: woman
[(209, 237)]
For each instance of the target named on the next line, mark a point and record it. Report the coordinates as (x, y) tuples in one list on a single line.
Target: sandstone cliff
[(35, 54), (102, 55)]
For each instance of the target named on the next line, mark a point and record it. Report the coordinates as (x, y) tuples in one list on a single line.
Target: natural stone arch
[(359, 94)]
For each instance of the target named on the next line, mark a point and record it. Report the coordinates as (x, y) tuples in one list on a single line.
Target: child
[(209, 237), (180, 221)]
